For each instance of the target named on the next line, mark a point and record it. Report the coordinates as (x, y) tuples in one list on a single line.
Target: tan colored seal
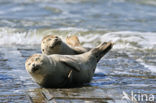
[(52, 44), (65, 70)]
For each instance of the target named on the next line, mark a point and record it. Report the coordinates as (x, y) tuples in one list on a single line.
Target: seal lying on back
[(56, 71), (52, 44)]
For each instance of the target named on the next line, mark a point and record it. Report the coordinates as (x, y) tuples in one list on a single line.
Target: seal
[(59, 71), (52, 44)]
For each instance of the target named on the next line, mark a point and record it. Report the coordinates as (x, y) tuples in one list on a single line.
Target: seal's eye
[(36, 59), (49, 39), (56, 37)]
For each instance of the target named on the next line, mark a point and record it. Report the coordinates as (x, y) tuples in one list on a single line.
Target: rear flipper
[(101, 50), (74, 42)]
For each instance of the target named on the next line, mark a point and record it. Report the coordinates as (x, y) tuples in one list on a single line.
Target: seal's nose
[(56, 39), (34, 68)]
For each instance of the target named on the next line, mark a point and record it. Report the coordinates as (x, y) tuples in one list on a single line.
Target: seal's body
[(65, 70), (52, 44)]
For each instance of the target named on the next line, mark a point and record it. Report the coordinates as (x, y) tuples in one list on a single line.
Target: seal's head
[(51, 44), (36, 63), (37, 66), (43, 70)]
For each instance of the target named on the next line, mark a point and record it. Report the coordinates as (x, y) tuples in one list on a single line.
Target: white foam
[(124, 39), (11, 37), (150, 67), (73, 29)]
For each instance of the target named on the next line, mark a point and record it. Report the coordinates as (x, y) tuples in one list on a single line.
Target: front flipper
[(79, 50), (71, 63)]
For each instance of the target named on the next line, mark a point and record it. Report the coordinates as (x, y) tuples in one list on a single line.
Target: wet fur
[(59, 48)]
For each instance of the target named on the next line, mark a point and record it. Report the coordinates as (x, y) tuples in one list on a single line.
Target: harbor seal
[(59, 71), (52, 44)]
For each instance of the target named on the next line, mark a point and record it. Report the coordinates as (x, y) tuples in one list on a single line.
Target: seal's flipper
[(73, 41), (79, 50), (101, 50), (71, 63)]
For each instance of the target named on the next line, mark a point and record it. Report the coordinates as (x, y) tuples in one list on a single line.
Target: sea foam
[(122, 39), (11, 37)]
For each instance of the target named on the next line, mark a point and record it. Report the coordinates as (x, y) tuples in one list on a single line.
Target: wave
[(122, 39), (12, 37)]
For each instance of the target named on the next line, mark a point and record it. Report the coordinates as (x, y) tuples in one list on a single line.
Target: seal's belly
[(55, 79), (83, 76)]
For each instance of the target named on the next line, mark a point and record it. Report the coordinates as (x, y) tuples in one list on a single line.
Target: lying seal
[(56, 71), (52, 44)]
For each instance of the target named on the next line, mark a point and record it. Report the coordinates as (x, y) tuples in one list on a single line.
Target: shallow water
[(130, 24)]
